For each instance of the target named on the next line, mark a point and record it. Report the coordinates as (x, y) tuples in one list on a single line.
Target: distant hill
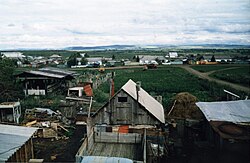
[(108, 47), (137, 47)]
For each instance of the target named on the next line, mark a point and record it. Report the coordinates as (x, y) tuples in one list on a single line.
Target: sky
[(64, 23)]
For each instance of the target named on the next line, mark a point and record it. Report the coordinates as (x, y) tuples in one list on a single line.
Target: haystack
[(185, 107)]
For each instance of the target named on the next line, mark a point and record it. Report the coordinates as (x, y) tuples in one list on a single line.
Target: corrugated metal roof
[(46, 74), (151, 104), (230, 111), (101, 159), (12, 138), (57, 71)]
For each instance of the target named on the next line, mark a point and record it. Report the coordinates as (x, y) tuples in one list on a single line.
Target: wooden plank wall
[(24, 153)]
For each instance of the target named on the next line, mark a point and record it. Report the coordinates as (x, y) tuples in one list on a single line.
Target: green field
[(239, 76), (167, 82), (208, 68)]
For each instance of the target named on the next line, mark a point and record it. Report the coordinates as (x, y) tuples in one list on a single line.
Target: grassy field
[(239, 76), (208, 68), (167, 82)]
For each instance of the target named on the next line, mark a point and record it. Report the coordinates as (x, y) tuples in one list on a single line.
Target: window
[(122, 99)]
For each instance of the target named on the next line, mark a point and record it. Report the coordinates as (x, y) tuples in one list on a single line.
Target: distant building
[(16, 143), (96, 60), (147, 59), (10, 112), (172, 55), (219, 58), (13, 55), (56, 56)]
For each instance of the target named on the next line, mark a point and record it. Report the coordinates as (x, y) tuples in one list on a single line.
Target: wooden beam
[(25, 152), (31, 146)]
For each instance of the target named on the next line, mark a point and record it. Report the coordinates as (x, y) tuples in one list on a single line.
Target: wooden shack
[(10, 112), (131, 105), (45, 80), (16, 143), (228, 127)]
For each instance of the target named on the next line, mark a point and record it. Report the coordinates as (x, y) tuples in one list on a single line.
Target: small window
[(122, 99)]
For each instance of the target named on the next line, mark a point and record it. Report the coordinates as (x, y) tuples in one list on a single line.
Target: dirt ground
[(52, 150)]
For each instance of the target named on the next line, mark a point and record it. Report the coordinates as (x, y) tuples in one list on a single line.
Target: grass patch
[(239, 76), (208, 68)]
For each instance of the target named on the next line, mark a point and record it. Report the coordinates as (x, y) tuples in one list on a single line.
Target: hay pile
[(185, 107)]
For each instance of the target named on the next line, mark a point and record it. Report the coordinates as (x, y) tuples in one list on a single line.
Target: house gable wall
[(123, 109)]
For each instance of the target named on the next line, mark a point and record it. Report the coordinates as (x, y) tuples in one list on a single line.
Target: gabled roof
[(12, 138), (147, 101), (230, 111), (13, 54), (55, 56)]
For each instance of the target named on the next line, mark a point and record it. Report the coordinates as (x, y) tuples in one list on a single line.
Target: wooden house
[(45, 80), (131, 105)]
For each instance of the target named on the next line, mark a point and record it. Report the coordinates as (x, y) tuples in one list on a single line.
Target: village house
[(10, 112), (96, 60), (148, 59), (172, 55), (131, 105), (130, 122), (13, 55), (218, 58), (16, 143), (45, 80)]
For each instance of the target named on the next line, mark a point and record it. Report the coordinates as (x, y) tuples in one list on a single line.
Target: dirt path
[(206, 76), (210, 72)]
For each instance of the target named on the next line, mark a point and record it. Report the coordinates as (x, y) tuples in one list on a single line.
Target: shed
[(10, 112), (131, 106), (227, 121), (172, 54), (229, 111), (44, 80), (13, 55), (16, 143)]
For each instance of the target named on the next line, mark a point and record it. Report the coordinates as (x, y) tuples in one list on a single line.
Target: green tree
[(10, 90), (84, 61), (72, 59), (213, 59)]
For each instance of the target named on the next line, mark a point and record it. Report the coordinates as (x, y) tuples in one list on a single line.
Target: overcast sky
[(62, 23)]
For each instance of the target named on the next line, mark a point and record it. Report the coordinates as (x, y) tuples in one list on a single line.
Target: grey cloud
[(11, 25)]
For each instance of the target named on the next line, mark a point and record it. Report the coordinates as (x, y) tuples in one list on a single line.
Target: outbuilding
[(131, 105), (10, 112), (16, 143)]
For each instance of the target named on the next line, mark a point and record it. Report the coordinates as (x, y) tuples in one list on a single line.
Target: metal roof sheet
[(101, 159), (46, 74), (57, 71), (151, 104), (12, 138), (230, 111)]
